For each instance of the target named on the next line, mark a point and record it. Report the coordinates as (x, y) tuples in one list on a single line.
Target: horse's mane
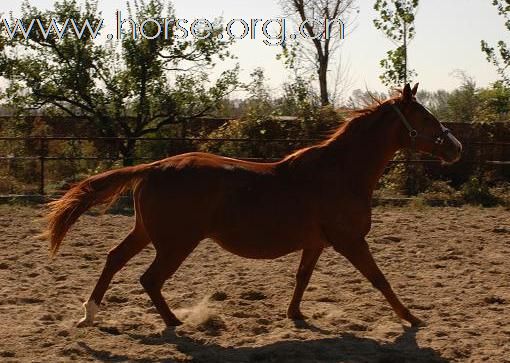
[(360, 117), (356, 119)]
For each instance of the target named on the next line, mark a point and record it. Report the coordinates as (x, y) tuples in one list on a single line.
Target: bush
[(260, 130), (502, 192), (440, 193), (407, 179), (476, 191)]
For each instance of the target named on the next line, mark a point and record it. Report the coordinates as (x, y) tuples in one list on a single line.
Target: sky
[(448, 35)]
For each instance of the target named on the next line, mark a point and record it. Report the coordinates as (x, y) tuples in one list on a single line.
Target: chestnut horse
[(317, 197)]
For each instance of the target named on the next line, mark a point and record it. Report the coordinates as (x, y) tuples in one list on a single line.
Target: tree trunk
[(405, 53), (323, 82), (128, 152)]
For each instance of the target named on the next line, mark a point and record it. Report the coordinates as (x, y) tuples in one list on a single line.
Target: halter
[(413, 134)]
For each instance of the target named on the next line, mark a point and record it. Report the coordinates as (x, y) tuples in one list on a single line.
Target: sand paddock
[(451, 266)]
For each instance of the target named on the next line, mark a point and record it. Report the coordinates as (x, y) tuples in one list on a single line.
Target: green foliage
[(407, 179), (476, 191), (132, 90), (494, 103), (289, 55), (259, 103), (468, 103), (463, 102), (436, 102), (395, 68), (500, 58), (501, 192), (297, 114), (395, 13), (441, 193), (396, 22), (3, 59)]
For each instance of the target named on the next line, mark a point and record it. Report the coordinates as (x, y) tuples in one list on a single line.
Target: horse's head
[(422, 130)]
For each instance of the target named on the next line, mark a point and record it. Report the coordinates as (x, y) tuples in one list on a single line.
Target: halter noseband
[(413, 134)]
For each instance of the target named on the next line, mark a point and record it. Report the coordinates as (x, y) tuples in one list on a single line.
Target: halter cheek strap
[(413, 134), (412, 131)]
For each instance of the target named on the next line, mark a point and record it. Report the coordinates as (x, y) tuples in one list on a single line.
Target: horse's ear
[(415, 89), (407, 93)]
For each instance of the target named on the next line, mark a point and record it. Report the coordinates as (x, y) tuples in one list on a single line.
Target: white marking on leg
[(91, 310)]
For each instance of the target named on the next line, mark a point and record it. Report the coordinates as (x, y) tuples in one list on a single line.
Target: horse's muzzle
[(451, 150)]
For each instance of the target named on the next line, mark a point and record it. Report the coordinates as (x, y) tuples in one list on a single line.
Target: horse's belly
[(262, 218), (259, 247), (265, 235)]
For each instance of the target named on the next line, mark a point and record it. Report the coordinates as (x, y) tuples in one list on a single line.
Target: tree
[(130, 89), (265, 118), (3, 59), (318, 20), (494, 103), (436, 102), (500, 58), (469, 103), (397, 24), (259, 105), (298, 98), (463, 101), (361, 99)]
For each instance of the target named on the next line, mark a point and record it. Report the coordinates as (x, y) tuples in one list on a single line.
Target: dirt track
[(450, 266)]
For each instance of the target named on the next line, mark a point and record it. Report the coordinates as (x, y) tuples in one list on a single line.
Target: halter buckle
[(413, 134), (440, 139)]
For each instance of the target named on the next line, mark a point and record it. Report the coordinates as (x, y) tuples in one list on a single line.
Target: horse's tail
[(103, 188)]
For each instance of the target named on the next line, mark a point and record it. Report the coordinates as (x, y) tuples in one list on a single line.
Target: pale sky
[(448, 35)]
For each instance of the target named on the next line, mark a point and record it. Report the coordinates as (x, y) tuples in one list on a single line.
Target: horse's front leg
[(309, 259), (359, 255)]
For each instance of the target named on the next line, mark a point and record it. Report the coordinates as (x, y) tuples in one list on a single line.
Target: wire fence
[(40, 153)]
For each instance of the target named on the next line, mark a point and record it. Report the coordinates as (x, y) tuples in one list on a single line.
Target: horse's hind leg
[(359, 255), (162, 268), (309, 259), (116, 259)]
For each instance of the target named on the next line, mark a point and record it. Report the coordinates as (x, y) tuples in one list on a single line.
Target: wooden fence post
[(42, 157)]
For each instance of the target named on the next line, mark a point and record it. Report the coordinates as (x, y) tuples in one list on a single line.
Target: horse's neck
[(354, 158)]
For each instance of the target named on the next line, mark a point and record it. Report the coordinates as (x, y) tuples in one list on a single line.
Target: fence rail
[(190, 139), (40, 154)]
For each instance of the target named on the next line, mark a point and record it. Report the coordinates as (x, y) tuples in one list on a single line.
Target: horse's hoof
[(417, 323), (169, 331), (83, 323), (296, 315), (91, 310), (174, 323)]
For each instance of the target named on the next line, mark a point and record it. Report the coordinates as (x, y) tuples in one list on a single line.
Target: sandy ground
[(450, 266)]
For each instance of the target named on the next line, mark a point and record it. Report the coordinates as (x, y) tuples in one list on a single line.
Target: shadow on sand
[(345, 348)]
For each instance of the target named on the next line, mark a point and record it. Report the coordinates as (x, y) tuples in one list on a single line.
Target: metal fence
[(41, 155)]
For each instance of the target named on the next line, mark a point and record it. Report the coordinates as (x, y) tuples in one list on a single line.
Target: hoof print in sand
[(253, 295)]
